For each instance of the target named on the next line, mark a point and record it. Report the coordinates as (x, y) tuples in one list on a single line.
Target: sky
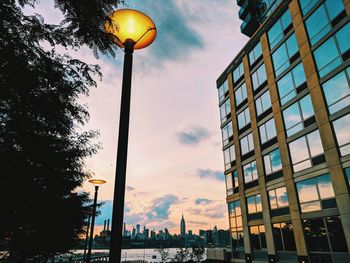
[(175, 160)]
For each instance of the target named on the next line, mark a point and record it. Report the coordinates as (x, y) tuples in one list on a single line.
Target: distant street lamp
[(131, 29), (97, 183)]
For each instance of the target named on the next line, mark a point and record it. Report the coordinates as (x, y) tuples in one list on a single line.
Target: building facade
[(285, 119)]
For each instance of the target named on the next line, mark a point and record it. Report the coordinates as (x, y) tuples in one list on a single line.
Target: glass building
[(285, 119)]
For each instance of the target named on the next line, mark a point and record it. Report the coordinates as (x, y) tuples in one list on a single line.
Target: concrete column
[(287, 168), (259, 162), (328, 141), (239, 171)]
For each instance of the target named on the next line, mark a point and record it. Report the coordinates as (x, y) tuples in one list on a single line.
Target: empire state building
[(183, 227)]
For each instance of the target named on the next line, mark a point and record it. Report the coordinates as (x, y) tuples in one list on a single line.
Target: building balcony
[(249, 25)]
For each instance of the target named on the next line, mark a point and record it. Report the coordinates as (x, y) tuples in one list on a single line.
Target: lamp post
[(97, 183), (131, 30)]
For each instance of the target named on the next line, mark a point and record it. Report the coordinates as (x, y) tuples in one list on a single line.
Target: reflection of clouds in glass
[(276, 160), (298, 150), (307, 190), (342, 128), (308, 207), (273, 201), (315, 143), (282, 196), (325, 186)]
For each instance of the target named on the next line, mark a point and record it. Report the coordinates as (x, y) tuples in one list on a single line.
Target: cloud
[(160, 208), (203, 201), (175, 37), (208, 173), (193, 136), (218, 211)]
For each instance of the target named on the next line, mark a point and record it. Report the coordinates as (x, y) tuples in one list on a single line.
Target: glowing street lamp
[(130, 30), (97, 183)]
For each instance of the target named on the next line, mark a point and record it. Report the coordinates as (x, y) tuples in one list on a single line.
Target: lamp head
[(97, 182), (131, 24)]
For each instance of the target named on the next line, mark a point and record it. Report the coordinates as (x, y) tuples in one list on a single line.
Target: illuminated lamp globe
[(97, 182), (131, 24)]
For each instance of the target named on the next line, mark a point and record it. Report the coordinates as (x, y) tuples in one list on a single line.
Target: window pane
[(238, 208), (317, 25), (341, 129), (325, 186), (334, 7), (347, 172), (277, 235), (259, 76), (282, 197), (336, 234), (306, 5), (254, 236), (262, 236), (337, 91), (235, 178), (307, 190), (241, 94), (327, 57), (315, 143), (229, 184), (288, 237), (251, 204), (298, 150), (255, 53), (276, 160), (311, 206), (290, 82), (315, 234), (272, 198), (343, 38)]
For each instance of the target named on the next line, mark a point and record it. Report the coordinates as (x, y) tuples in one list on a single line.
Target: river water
[(147, 254)]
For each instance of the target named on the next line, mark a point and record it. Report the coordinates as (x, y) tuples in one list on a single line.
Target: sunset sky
[(175, 161)]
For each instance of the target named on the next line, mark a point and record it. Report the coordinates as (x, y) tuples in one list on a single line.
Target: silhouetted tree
[(41, 152)]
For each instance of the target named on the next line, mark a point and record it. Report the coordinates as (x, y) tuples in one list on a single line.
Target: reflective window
[(227, 133), (347, 172), (312, 191), (254, 204), (229, 156), (255, 53), (250, 172), (257, 237), (236, 225), (329, 55), (272, 162), (267, 130), (306, 5), (337, 91), (325, 234), (231, 182), (238, 72), (283, 236), (259, 76), (320, 21), (241, 94), (225, 111), (243, 118), (276, 32), (296, 114), (303, 149), (342, 132), (281, 57), (278, 198), (222, 90), (247, 144), (288, 85), (263, 103)]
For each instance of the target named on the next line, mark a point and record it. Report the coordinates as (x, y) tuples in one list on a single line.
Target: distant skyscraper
[(183, 227), (125, 231), (137, 230)]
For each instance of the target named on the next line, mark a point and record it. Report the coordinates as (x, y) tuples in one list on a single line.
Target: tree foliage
[(41, 151)]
